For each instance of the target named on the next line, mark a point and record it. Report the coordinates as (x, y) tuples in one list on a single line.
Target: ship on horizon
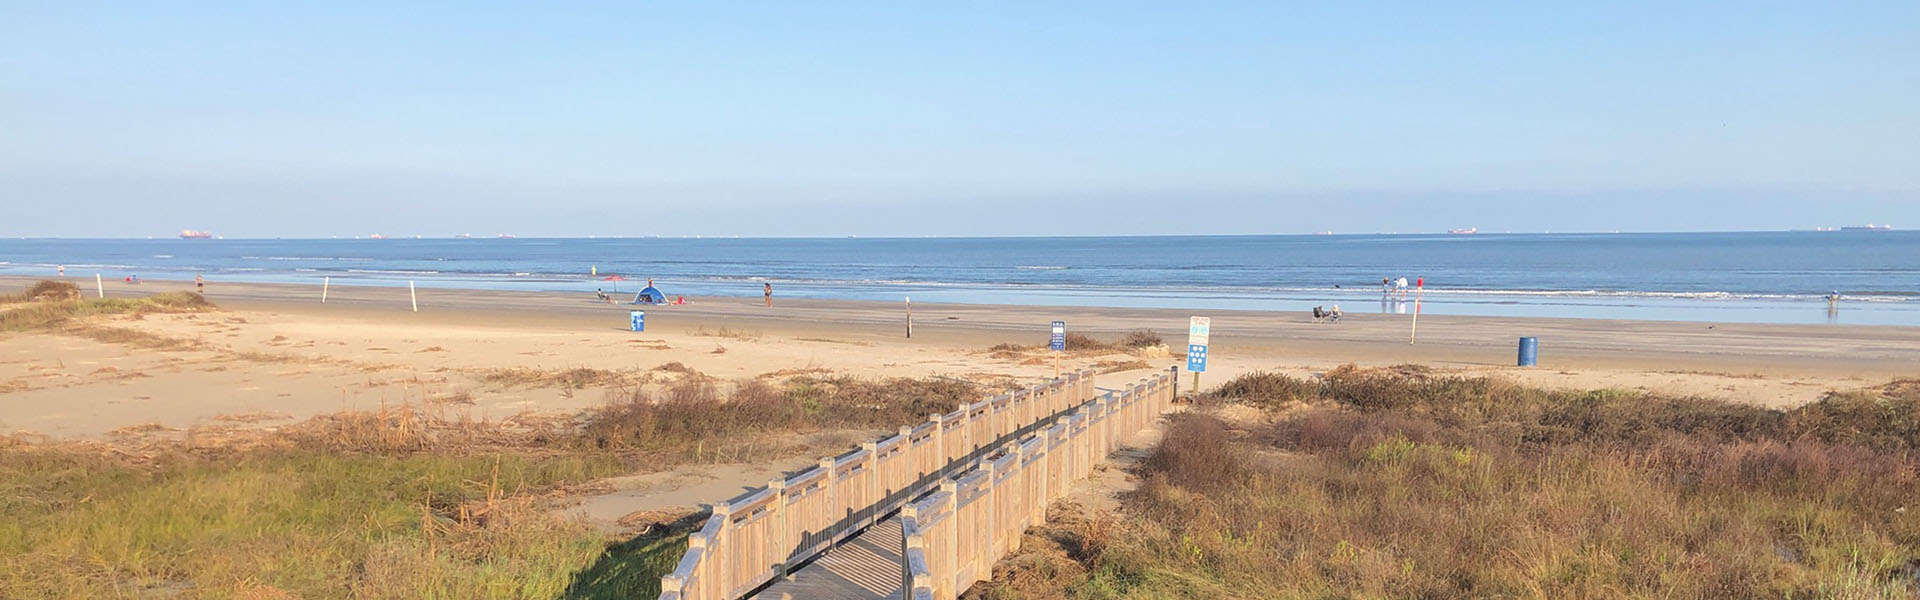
[(1868, 227), (1466, 231), (189, 234)]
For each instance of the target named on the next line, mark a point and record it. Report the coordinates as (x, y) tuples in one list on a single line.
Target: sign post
[(1419, 286), (1057, 343), (1198, 330)]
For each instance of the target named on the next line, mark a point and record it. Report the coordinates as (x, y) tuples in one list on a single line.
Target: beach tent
[(651, 295)]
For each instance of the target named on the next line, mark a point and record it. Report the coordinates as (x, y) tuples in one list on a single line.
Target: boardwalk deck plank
[(866, 567)]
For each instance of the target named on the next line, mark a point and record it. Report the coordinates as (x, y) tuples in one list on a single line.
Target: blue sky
[(132, 119)]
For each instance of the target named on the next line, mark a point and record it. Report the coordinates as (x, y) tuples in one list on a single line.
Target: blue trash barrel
[(639, 318), (1529, 351)]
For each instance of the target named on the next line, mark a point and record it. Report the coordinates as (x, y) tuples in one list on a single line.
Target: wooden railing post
[(722, 572), (873, 482), (832, 484), (781, 542), (910, 540), (951, 551)]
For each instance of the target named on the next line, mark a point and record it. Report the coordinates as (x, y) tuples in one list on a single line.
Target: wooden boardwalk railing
[(762, 535), (952, 537)]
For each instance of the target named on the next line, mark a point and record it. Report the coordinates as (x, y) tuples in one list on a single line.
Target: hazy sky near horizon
[(749, 118)]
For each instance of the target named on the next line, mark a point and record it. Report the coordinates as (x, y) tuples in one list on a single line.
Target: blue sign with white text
[(1197, 358), (1059, 341)]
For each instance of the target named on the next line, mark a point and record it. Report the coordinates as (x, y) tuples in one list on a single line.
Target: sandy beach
[(274, 354)]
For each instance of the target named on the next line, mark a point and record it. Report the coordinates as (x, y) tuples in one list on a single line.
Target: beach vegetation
[(1405, 483), (45, 290), (406, 501), (1140, 338), (51, 315)]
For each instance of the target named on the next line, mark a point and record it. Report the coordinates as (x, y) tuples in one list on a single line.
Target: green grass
[(1400, 484), (53, 313), (314, 525)]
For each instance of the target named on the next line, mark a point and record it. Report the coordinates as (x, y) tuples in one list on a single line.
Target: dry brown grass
[(574, 378), (1399, 483), (131, 337), (726, 332), (1116, 366), (692, 419), (45, 290)]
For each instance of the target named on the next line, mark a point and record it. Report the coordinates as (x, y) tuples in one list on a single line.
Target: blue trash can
[(1529, 351), (639, 318)]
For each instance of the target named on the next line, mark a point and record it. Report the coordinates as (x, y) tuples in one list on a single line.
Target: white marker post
[(325, 282), (909, 317), (414, 296), (99, 288)]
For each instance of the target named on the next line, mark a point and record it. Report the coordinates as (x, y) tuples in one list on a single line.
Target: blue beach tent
[(651, 295)]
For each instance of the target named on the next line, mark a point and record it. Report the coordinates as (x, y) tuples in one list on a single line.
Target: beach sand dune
[(274, 354)]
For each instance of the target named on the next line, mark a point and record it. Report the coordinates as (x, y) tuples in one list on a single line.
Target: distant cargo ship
[(1467, 231), (1868, 227), (189, 234)]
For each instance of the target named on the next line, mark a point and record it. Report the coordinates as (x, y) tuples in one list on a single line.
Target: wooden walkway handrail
[(760, 536), (952, 538)]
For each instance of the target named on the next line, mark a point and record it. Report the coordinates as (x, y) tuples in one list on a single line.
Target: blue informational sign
[(1059, 336), (639, 319), (1196, 358)]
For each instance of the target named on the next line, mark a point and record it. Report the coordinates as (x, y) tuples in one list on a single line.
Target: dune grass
[(44, 290), (1401, 484), (54, 313), (309, 524), (400, 502)]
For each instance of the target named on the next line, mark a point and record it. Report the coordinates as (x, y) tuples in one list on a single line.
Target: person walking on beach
[(199, 284), (769, 286), (63, 270)]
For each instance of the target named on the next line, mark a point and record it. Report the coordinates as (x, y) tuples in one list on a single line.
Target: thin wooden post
[(721, 570), (909, 317), (873, 482), (951, 548), (325, 282), (414, 296), (782, 539), (99, 286), (833, 498)]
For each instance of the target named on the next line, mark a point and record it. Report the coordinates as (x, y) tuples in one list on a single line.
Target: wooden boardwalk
[(866, 567)]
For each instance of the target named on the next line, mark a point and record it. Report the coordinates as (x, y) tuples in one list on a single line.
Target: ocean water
[(1779, 277)]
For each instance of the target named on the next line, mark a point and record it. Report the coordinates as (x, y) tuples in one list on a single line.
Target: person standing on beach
[(63, 270), (769, 286), (199, 283)]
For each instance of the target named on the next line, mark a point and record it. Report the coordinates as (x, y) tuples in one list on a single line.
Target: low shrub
[(1400, 483), (1140, 338)]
